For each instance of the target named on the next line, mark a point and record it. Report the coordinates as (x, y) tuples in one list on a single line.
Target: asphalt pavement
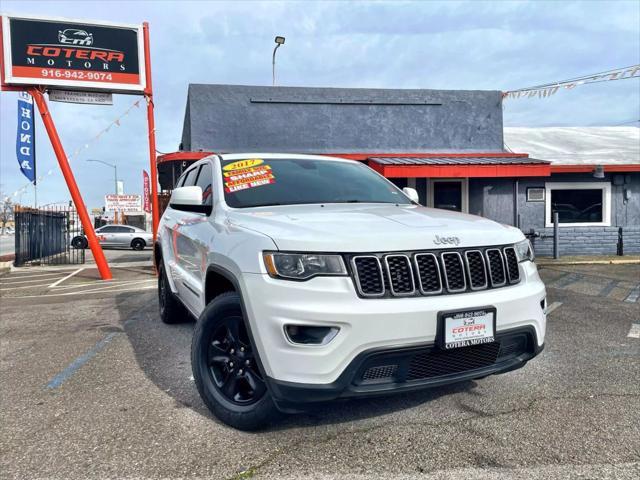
[(94, 386)]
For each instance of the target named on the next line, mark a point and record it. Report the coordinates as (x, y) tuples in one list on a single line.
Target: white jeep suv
[(314, 278)]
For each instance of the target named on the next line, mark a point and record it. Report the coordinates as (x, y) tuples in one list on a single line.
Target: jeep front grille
[(433, 273)]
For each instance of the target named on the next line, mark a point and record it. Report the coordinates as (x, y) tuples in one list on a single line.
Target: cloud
[(450, 45)]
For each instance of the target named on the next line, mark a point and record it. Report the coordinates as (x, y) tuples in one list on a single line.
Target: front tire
[(225, 366), (79, 242), (171, 311)]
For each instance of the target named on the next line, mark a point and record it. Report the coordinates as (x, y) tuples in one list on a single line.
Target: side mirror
[(189, 199), (412, 194)]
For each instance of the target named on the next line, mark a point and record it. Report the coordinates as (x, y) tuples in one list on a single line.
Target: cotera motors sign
[(72, 53)]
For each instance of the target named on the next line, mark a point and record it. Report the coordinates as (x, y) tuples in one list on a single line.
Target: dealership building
[(450, 145)]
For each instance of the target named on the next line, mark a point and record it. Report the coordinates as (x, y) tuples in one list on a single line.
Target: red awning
[(492, 164)]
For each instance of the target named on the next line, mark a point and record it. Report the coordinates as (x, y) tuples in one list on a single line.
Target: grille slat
[(453, 272), (496, 267), (400, 274), (369, 275), (476, 269), (427, 273), (512, 264)]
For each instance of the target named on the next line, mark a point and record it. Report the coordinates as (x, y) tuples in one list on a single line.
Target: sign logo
[(446, 240), (75, 36), (86, 55)]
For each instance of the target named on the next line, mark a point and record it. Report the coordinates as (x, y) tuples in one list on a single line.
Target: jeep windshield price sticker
[(68, 53), (468, 328)]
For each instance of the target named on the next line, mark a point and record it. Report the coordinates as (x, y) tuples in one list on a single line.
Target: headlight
[(524, 251), (302, 266)]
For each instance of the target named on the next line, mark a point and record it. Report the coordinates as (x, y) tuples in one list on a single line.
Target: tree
[(6, 211)]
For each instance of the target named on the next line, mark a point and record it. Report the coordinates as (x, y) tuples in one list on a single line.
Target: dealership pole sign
[(70, 53)]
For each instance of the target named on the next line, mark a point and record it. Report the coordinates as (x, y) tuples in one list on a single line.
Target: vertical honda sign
[(146, 194), (25, 138)]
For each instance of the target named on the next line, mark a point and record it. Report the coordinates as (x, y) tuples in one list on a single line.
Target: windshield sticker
[(250, 177), (241, 164)]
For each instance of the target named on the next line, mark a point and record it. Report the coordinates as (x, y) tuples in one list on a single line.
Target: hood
[(371, 228)]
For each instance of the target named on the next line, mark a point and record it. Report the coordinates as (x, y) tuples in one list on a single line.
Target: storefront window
[(579, 204)]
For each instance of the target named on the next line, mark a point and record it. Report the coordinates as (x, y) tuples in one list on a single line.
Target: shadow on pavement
[(163, 353)]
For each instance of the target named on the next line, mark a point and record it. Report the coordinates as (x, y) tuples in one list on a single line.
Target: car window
[(190, 178), (125, 230), (288, 181), (108, 229), (205, 177)]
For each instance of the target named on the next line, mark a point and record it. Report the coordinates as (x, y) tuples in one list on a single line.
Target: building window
[(582, 204), (449, 194)]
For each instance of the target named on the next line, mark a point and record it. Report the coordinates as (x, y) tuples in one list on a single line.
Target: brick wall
[(588, 241)]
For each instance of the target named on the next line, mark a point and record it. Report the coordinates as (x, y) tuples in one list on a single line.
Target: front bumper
[(367, 325), (383, 371)]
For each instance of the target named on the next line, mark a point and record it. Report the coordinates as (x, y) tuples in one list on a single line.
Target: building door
[(449, 194)]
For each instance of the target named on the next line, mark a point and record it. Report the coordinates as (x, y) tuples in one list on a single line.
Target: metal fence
[(43, 236)]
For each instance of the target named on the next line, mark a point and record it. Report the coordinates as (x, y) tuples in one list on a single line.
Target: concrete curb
[(6, 267)]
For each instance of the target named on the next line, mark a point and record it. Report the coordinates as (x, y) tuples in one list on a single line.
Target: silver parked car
[(117, 236)]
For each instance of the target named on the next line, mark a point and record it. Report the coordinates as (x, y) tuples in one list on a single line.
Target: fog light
[(306, 335)]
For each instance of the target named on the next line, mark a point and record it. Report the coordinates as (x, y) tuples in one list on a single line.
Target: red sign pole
[(98, 254), (148, 93)]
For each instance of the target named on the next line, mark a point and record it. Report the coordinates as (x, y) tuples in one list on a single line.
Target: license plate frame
[(441, 335)]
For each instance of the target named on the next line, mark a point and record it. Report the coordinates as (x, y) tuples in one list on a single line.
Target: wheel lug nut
[(242, 349), (247, 362), (240, 372), (232, 351), (230, 364)]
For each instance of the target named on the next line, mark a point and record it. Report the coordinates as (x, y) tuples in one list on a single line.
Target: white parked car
[(117, 236), (314, 278)]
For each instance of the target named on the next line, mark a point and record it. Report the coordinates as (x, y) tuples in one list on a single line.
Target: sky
[(500, 45)]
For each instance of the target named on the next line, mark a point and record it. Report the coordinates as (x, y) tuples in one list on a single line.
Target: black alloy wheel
[(138, 244), (79, 242), (232, 365), (226, 367)]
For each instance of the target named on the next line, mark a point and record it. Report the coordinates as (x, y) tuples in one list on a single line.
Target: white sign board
[(90, 98), (123, 203)]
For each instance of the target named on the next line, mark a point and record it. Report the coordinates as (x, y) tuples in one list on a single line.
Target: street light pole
[(115, 172), (279, 41)]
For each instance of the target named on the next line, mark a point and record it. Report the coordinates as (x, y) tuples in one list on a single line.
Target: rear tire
[(225, 367), (138, 244), (171, 310)]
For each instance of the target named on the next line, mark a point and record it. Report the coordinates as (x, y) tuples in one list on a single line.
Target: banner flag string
[(549, 89), (77, 151)]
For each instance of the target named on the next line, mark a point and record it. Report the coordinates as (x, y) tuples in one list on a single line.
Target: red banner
[(146, 188)]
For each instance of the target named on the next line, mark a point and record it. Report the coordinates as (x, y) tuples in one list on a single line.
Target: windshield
[(286, 181)]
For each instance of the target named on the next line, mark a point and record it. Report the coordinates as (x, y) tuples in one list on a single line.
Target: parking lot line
[(74, 366), (6, 288), (633, 295), (66, 278), (123, 287), (634, 331), (553, 306), (24, 281)]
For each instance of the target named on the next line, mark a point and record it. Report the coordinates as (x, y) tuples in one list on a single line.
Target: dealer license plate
[(471, 327)]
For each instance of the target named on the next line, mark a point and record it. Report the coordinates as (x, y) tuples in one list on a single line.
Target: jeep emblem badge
[(446, 240)]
